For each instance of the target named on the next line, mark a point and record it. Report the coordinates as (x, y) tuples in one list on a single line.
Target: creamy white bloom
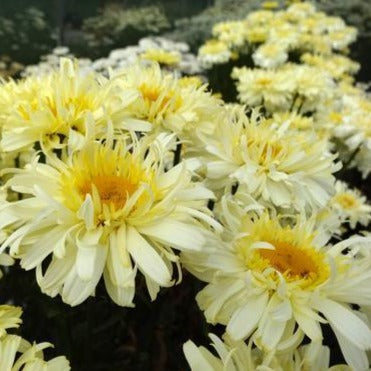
[(214, 52), (270, 162), (272, 276), (62, 108), (272, 88), (270, 55), (106, 210), (232, 33), (350, 205), (165, 102)]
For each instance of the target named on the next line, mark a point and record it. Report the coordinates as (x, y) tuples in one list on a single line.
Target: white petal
[(346, 323), (246, 318), (86, 212), (176, 234), (148, 260), (86, 260), (354, 356), (120, 295), (195, 358), (75, 290)]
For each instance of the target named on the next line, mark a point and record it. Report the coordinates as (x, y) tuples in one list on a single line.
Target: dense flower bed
[(122, 175)]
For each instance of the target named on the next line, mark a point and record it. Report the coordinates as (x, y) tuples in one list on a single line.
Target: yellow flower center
[(290, 261), (150, 93), (346, 200), (112, 189), (110, 176), (161, 56), (292, 254), (164, 103), (264, 81), (213, 47), (265, 151), (336, 117)]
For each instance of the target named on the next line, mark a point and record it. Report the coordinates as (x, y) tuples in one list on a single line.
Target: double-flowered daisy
[(166, 102), (109, 209), (214, 52), (270, 162), (272, 88), (350, 205), (271, 276), (61, 108)]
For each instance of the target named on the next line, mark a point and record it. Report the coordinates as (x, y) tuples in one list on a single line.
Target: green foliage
[(25, 28), (195, 30), (116, 26)]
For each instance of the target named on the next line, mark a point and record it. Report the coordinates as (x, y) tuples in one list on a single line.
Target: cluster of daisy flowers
[(271, 37), (295, 61), (142, 174), (172, 56)]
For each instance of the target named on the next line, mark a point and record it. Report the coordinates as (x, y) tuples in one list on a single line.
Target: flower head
[(109, 209), (350, 205), (53, 109), (273, 276), (163, 57), (273, 163), (165, 101)]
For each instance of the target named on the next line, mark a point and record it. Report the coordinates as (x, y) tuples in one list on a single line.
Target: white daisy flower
[(273, 277), (270, 55), (272, 88), (106, 210), (350, 205), (269, 162), (59, 108), (214, 52)]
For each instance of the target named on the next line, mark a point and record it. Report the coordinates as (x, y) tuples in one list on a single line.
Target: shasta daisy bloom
[(285, 34), (232, 33), (260, 17), (350, 205), (214, 52), (353, 131), (165, 102), (107, 210), (338, 66), (271, 163), (312, 86), (341, 39), (270, 55), (239, 356), (301, 11), (272, 88), (272, 277), (56, 109), (17, 354), (161, 56)]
